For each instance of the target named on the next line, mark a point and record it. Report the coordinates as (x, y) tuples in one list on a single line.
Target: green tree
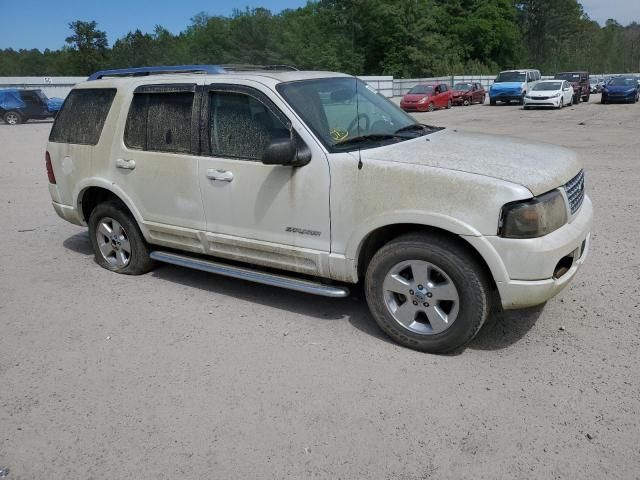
[(89, 44)]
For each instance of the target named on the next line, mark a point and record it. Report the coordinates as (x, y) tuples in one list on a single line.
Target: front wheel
[(427, 292), (117, 242), (12, 118), (431, 107), (492, 102), (448, 104), (561, 104)]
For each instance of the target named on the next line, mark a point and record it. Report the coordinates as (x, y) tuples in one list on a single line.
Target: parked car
[(184, 168), (18, 106), (579, 82), (513, 85), (621, 89), (468, 93), (550, 93), (427, 98), (595, 85)]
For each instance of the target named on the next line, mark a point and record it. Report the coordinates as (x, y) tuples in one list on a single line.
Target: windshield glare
[(571, 77), (421, 89), (623, 82), (548, 86), (340, 109), (462, 86), (511, 77)]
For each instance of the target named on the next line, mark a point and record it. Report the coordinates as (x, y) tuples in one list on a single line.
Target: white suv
[(315, 174)]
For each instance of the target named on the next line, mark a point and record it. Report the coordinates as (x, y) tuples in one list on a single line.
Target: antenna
[(358, 122)]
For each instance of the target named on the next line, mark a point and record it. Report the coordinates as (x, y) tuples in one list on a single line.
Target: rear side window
[(82, 116), (160, 122)]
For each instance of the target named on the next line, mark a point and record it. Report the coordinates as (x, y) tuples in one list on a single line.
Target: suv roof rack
[(143, 71), (240, 67)]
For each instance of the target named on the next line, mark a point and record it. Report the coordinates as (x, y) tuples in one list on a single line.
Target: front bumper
[(548, 102), (619, 97), (506, 96), (414, 107), (529, 268)]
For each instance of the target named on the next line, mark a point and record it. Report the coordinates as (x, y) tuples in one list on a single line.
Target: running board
[(290, 283)]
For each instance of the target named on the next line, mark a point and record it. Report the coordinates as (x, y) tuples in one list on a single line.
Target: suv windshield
[(623, 82), (570, 77), (511, 77), (421, 89), (347, 114), (462, 86), (548, 86)]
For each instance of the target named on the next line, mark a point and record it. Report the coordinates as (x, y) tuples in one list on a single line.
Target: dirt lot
[(184, 375)]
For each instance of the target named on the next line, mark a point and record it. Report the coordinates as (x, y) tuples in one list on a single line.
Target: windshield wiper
[(372, 137), (426, 129)]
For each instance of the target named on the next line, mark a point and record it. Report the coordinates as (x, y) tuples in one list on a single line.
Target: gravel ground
[(180, 374)]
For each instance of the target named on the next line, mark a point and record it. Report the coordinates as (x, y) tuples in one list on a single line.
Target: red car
[(427, 97), (468, 93)]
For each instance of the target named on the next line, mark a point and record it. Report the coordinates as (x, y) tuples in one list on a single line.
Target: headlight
[(556, 95), (535, 217), (528, 96), (423, 100)]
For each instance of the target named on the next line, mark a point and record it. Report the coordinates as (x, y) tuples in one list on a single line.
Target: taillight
[(47, 161)]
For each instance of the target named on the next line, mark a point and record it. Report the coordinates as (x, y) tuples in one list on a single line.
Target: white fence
[(386, 85), (51, 86)]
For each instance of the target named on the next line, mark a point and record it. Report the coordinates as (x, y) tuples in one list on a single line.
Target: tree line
[(404, 38)]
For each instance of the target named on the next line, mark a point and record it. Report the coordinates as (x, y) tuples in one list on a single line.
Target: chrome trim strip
[(281, 281)]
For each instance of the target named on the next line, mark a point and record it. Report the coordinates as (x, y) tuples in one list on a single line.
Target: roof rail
[(143, 71), (240, 67)]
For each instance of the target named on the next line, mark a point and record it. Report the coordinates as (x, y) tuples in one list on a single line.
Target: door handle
[(220, 175), (125, 164)]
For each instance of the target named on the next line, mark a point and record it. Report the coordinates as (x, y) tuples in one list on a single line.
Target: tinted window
[(511, 77), (160, 122), (82, 116), (418, 89), (241, 126)]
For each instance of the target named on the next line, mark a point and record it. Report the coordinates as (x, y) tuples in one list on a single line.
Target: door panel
[(155, 163), (267, 203)]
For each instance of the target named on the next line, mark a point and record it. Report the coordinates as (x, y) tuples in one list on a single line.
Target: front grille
[(575, 191)]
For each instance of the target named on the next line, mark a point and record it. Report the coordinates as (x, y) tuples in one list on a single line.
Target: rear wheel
[(427, 292), (12, 118), (117, 242)]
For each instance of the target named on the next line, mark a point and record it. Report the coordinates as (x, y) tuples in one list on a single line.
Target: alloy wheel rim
[(12, 119), (421, 297), (113, 242)]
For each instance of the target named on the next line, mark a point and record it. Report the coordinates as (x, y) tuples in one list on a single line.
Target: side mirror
[(285, 151)]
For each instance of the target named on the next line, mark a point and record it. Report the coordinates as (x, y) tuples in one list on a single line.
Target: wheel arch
[(93, 193), (377, 238)]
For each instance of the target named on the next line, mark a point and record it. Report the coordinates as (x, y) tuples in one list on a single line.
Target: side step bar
[(291, 283)]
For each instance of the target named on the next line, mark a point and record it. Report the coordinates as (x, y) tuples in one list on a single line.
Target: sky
[(44, 23)]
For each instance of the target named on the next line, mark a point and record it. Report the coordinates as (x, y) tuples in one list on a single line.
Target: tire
[(12, 118), (561, 104), (431, 107), (521, 101), (492, 102), (455, 273), (576, 99), (448, 104), (586, 98), (123, 252), (466, 102), (483, 99)]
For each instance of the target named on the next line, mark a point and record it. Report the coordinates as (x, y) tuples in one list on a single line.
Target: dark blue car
[(18, 106), (621, 89)]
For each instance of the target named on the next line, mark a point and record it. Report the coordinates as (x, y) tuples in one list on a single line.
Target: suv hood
[(539, 167), (507, 86)]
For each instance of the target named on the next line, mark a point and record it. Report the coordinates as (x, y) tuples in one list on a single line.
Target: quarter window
[(241, 126), (160, 122), (82, 117)]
